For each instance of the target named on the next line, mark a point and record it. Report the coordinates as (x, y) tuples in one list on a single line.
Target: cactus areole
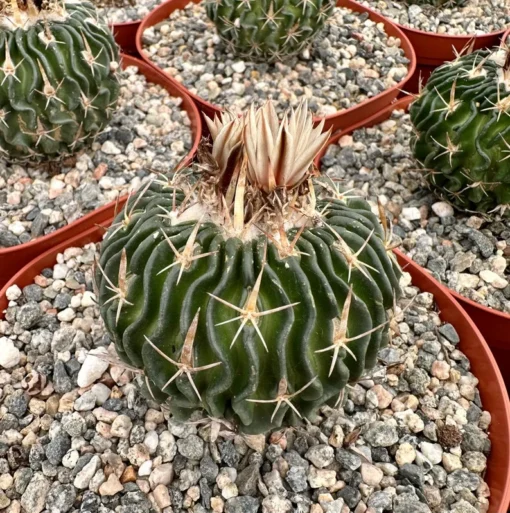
[(462, 131), (247, 285), (58, 77)]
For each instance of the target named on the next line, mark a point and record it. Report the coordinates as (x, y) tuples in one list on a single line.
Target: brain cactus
[(462, 131), (268, 30), (244, 286), (58, 83)]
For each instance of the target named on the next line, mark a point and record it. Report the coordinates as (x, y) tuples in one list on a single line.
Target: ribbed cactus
[(58, 77), (268, 30), (462, 131), (244, 287)]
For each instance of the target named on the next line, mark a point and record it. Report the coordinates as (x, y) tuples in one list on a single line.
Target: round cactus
[(462, 131), (245, 287), (268, 30), (58, 77)]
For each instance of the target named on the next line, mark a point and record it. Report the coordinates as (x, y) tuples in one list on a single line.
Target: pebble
[(10, 355), (83, 477), (327, 74), (111, 487), (34, 497), (93, 367)]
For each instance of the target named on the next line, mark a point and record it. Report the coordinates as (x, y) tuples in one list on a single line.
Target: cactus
[(58, 77), (462, 131), (268, 30), (243, 286)]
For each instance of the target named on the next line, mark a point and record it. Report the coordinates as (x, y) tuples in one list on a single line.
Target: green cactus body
[(268, 30), (58, 78), (462, 131), (160, 307), (271, 312)]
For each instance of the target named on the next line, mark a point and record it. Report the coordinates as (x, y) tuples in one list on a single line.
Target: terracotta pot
[(337, 121), (494, 325), (13, 259), (492, 389), (125, 36)]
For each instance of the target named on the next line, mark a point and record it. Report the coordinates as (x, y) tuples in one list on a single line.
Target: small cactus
[(268, 30), (462, 131), (247, 285), (58, 77)]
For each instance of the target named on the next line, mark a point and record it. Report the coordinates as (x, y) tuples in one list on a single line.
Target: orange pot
[(492, 388), (13, 259), (337, 121)]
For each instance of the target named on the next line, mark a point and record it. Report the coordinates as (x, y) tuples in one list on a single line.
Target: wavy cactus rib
[(259, 318), (58, 77), (269, 30), (462, 131)]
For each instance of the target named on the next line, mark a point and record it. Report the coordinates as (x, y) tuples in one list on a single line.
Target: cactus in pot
[(462, 131), (58, 77), (268, 30), (247, 285)]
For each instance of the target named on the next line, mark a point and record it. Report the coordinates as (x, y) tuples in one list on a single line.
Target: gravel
[(124, 454), (149, 132), (474, 17), (122, 11), (351, 60), (468, 253)]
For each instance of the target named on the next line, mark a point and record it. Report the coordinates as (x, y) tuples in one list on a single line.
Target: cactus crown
[(259, 163), (268, 30), (462, 130), (237, 289)]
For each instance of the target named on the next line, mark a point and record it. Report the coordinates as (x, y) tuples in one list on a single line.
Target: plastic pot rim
[(332, 120), (492, 389)]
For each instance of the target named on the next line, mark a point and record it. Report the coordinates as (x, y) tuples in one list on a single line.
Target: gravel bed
[(411, 436), (351, 60), (149, 131), (468, 253), (474, 17), (129, 10)]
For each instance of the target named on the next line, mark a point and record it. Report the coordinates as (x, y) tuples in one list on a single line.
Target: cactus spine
[(462, 131), (245, 286), (58, 81), (268, 30)]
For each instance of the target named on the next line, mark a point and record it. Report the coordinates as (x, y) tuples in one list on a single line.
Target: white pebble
[(10, 355)]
